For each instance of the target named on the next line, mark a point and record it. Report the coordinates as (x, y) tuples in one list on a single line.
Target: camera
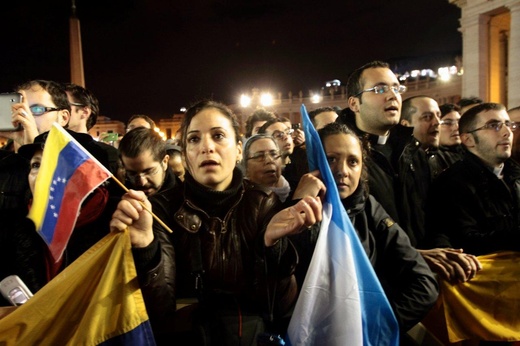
[(14, 290)]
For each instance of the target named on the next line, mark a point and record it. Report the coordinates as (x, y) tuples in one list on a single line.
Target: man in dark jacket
[(374, 112), (395, 164), (475, 204), (144, 157)]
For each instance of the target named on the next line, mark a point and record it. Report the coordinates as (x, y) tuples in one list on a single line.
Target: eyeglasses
[(497, 126), (449, 122), (381, 89), (282, 134), (40, 110), (77, 104), (133, 176), (261, 156)]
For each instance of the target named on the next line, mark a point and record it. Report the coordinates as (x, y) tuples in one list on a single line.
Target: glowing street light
[(266, 99), (316, 98), (444, 74), (245, 101)]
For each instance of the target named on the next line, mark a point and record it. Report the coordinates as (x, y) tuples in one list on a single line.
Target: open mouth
[(392, 109), (208, 163)]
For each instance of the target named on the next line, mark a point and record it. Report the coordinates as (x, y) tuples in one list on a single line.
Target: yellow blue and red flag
[(94, 301), (341, 301), (67, 175)]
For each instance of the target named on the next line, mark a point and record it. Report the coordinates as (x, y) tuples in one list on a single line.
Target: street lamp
[(245, 101), (266, 99)]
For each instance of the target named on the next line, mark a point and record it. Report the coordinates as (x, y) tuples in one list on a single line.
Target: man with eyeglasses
[(84, 108), (474, 204), (449, 142), (374, 112), (294, 167), (374, 99), (44, 102), (450, 116), (514, 114), (143, 154)]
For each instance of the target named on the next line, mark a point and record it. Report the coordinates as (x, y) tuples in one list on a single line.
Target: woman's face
[(35, 163), (264, 162), (345, 160), (211, 149)]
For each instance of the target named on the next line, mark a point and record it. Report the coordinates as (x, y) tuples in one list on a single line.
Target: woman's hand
[(293, 220), (131, 214), (310, 184)]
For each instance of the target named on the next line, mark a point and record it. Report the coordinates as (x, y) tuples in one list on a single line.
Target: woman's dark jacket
[(219, 235), (407, 280)]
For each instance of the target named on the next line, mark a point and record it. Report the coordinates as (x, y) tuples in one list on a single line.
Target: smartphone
[(296, 126), (14, 290), (6, 101)]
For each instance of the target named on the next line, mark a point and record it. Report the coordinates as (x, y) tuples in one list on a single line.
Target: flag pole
[(142, 204)]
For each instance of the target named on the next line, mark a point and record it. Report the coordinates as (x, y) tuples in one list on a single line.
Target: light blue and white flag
[(341, 301)]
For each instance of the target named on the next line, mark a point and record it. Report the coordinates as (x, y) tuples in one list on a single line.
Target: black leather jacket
[(232, 258)]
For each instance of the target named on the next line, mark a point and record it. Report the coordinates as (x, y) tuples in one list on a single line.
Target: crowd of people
[(428, 188)]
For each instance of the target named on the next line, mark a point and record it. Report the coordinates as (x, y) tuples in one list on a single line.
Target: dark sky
[(155, 56)]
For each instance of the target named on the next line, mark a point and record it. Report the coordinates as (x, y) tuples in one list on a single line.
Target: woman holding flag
[(228, 248), (407, 281)]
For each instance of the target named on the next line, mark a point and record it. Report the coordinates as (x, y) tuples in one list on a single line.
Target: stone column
[(475, 58), (513, 88)]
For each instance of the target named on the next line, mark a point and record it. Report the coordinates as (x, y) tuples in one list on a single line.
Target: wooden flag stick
[(142, 204)]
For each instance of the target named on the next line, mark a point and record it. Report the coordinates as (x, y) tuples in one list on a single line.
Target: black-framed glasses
[(449, 122), (383, 88), (40, 110), (282, 134), (77, 104), (134, 176), (261, 156), (497, 126)]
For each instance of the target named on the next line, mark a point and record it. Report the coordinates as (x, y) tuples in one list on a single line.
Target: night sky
[(156, 56)]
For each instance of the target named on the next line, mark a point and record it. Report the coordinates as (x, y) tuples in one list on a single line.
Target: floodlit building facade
[(491, 47)]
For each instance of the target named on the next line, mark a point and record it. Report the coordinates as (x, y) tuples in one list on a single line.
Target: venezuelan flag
[(68, 174), (94, 301)]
